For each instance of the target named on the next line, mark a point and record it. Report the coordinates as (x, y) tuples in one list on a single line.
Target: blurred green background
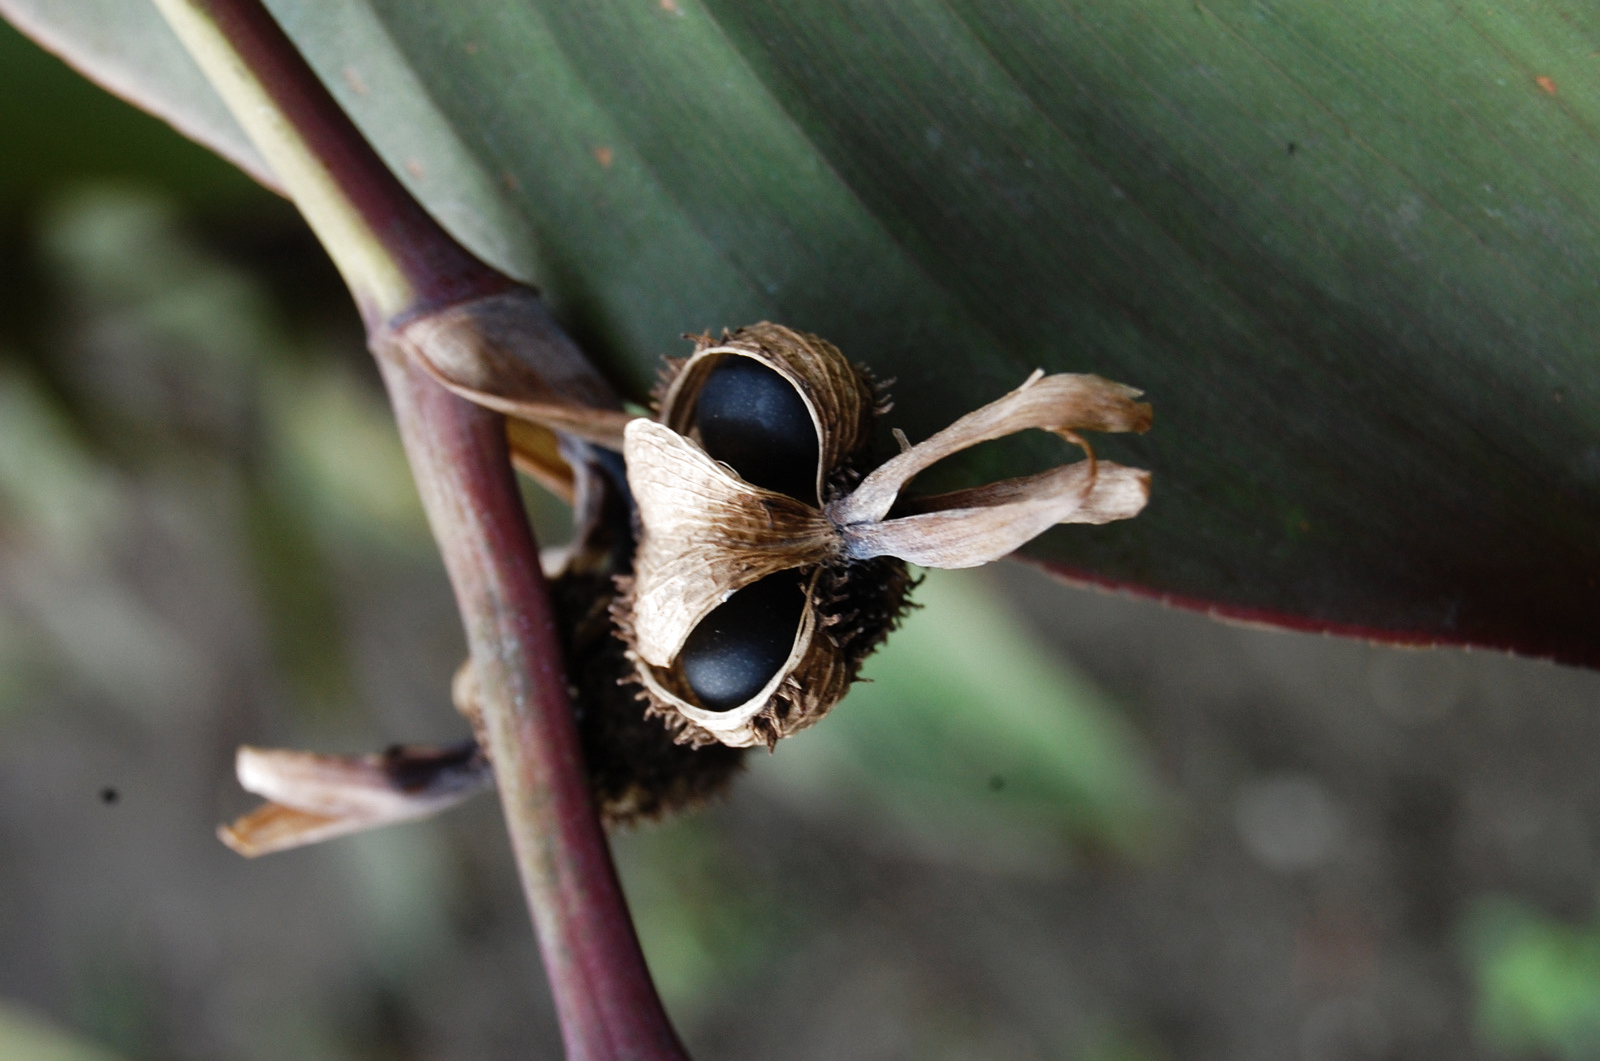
[(1054, 825)]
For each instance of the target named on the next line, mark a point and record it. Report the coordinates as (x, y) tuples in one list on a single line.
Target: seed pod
[(750, 492), (840, 400)]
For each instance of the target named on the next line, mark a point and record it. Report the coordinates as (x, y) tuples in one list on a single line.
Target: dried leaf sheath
[(506, 352)]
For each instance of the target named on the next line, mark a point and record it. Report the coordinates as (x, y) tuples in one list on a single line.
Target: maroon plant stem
[(606, 1001)]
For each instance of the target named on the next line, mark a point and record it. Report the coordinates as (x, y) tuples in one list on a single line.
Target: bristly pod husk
[(769, 565)]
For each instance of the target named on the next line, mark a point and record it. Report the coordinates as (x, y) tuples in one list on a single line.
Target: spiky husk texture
[(853, 604)]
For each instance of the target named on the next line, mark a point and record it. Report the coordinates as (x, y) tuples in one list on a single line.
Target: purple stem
[(606, 1001), (607, 1004)]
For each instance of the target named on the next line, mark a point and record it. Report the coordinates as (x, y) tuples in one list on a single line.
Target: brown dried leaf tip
[(768, 568), (314, 797)]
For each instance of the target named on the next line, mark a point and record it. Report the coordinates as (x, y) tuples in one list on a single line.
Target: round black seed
[(753, 420), (739, 647)]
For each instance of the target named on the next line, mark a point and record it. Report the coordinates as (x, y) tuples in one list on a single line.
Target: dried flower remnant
[(635, 770), (314, 797), (769, 566)]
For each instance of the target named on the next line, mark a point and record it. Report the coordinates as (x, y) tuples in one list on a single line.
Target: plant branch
[(404, 271), (607, 1003)]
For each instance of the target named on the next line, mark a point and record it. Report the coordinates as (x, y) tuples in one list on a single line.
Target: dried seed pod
[(748, 486), (839, 398)]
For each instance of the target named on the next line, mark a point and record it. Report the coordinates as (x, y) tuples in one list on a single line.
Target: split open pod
[(769, 566)]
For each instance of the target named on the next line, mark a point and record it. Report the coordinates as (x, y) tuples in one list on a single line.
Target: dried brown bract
[(769, 567), (312, 797)]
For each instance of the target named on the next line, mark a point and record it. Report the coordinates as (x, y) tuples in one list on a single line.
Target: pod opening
[(734, 652)]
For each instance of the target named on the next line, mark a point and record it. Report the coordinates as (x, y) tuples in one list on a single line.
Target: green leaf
[(1348, 250), (1538, 979)]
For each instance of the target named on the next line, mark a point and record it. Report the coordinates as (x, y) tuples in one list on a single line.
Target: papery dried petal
[(706, 534), (272, 827), (975, 527), (1062, 403)]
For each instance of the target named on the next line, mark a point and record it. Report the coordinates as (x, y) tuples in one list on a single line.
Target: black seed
[(753, 420), (109, 795), (739, 647)]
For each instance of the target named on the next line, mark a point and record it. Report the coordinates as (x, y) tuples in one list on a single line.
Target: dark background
[(1059, 825)]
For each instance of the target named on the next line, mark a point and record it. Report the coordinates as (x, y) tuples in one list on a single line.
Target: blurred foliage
[(978, 744), (54, 122), (26, 1036), (116, 996), (322, 460), (49, 482), (704, 921), (61, 510), (1118, 1044), (175, 391), (1538, 979), (184, 370)]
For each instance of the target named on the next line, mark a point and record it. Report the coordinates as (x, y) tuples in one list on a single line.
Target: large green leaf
[(1348, 250)]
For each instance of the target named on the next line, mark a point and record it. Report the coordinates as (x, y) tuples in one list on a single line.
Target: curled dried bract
[(724, 649), (314, 797)]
